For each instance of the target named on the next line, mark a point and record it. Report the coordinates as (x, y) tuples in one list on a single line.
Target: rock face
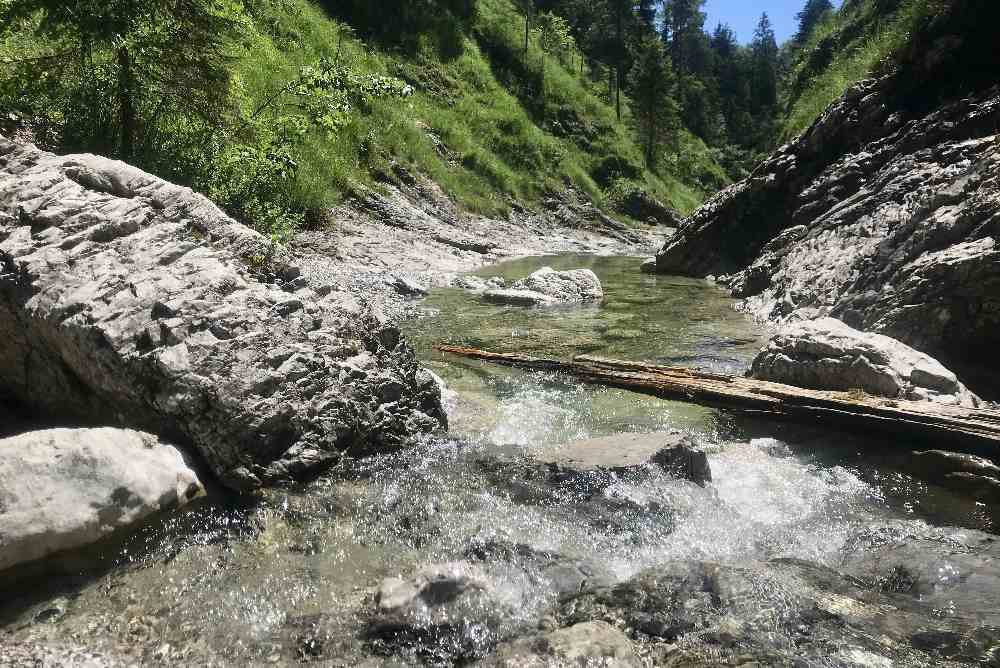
[(826, 354), (880, 215), (547, 287), (66, 488), (127, 300)]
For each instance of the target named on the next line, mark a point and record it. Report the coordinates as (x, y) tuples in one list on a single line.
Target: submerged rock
[(62, 489), (405, 286), (547, 287), (586, 644), (449, 610), (601, 458), (132, 301), (826, 354)]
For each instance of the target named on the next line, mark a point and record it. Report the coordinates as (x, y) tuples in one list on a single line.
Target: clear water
[(291, 577)]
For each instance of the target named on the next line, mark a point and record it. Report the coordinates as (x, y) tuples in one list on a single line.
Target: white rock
[(548, 287), (826, 354), (65, 488)]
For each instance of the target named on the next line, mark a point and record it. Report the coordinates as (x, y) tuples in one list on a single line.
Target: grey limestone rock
[(127, 300), (547, 287), (826, 354), (62, 489)]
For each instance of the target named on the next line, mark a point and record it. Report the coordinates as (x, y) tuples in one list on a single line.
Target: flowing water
[(291, 577)]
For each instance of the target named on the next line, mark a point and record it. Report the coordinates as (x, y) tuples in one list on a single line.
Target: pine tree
[(652, 83), (152, 56), (683, 25), (764, 79), (812, 13)]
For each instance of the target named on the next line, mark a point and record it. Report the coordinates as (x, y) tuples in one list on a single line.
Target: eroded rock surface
[(826, 354), (547, 287), (880, 216), (131, 301), (66, 488)]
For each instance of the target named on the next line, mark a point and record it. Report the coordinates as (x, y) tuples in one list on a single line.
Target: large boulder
[(66, 488), (548, 287), (826, 354), (131, 301)]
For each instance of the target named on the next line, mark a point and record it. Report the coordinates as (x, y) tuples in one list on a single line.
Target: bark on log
[(977, 427)]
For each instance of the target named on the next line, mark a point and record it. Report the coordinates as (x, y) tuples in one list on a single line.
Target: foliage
[(845, 47), (809, 17), (652, 82), (285, 134)]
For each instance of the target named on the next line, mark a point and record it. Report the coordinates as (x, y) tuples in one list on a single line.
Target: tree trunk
[(618, 67), (126, 104), (618, 92), (527, 28), (977, 429)]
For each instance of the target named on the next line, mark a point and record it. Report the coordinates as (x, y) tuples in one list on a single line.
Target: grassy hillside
[(845, 48), (481, 119), (478, 123)]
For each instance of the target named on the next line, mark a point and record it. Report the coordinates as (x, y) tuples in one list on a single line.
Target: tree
[(555, 39), (652, 83), (809, 17), (527, 7), (148, 58), (764, 79), (683, 28)]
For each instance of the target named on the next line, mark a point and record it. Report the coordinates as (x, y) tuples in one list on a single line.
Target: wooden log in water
[(977, 427)]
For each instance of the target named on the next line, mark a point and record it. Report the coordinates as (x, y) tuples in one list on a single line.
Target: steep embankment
[(884, 213)]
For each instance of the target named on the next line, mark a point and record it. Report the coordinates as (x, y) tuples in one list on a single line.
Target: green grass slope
[(849, 45), (481, 122)]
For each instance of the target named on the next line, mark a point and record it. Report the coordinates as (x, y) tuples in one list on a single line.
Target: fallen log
[(976, 427)]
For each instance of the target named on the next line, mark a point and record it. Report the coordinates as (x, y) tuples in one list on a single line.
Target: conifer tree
[(652, 84), (810, 15)]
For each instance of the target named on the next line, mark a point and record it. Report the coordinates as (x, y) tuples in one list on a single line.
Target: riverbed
[(290, 577)]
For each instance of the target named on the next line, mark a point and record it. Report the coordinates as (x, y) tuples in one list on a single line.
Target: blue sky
[(742, 16)]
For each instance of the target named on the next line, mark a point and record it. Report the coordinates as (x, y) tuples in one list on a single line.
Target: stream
[(290, 577)]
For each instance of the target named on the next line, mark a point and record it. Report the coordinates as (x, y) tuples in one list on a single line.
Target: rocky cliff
[(882, 214), (126, 300)]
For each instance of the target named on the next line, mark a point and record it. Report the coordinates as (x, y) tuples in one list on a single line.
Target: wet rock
[(940, 568), (547, 287), (405, 286), (826, 354), (131, 301), (600, 459), (66, 488), (563, 574), (471, 283), (448, 610), (586, 644), (519, 298), (784, 612), (880, 214), (962, 472)]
